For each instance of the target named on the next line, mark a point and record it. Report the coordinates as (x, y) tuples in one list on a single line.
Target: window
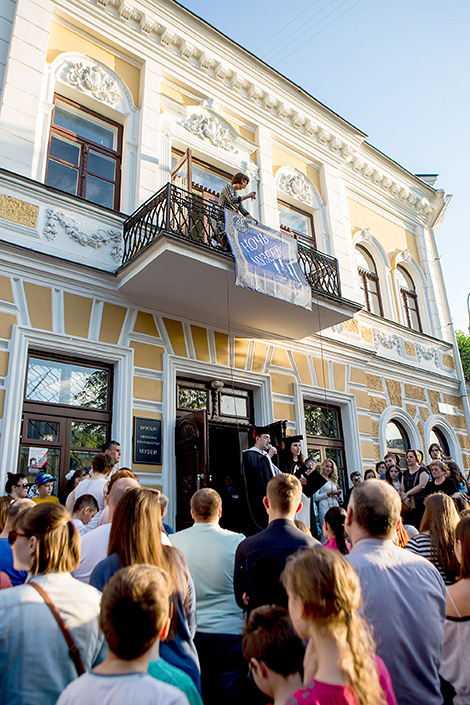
[(296, 221), (436, 436), (369, 281), (66, 416), (409, 299), (206, 179), (325, 437), (84, 154), (397, 441)]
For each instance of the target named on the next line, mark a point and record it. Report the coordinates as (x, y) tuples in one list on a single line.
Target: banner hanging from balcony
[(266, 260)]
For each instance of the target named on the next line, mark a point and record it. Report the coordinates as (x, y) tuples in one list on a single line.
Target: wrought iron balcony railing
[(175, 212)]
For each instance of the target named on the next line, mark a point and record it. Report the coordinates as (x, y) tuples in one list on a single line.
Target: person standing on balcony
[(232, 201)]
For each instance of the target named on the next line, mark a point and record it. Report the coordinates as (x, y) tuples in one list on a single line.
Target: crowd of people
[(101, 601)]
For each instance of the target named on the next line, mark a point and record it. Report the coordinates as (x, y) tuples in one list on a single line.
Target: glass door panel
[(27, 463)]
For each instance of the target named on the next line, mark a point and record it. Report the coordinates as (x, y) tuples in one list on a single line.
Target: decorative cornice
[(389, 342), (169, 37), (203, 123), (94, 240)]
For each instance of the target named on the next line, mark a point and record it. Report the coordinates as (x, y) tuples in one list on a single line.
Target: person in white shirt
[(95, 543), (95, 485), (134, 616)]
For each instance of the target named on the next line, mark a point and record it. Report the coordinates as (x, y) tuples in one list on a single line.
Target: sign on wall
[(266, 260), (147, 441)]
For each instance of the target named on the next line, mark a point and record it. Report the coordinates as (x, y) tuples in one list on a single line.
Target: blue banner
[(266, 260)]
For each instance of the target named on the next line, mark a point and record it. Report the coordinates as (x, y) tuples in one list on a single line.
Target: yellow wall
[(392, 237), (282, 158), (62, 39), (77, 311), (145, 323), (179, 96), (39, 300), (111, 323), (5, 289)]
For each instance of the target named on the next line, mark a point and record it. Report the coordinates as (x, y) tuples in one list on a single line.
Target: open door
[(182, 173), (191, 462)]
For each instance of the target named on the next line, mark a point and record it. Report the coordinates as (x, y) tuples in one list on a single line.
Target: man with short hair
[(94, 546), (258, 469), (260, 559), (210, 551), (113, 449), (403, 595)]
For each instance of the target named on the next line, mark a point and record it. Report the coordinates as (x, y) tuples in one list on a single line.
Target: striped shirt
[(421, 546), (228, 199)]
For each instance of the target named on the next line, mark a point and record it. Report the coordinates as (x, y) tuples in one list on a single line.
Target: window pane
[(362, 262), (81, 459), (42, 430), (51, 466), (299, 222), (208, 179), (233, 406), (84, 125), (65, 150), (101, 165), (62, 177), (436, 436), (98, 191), (397, 440), (195, 399), (87, 435), (321, 422), (55, 382)]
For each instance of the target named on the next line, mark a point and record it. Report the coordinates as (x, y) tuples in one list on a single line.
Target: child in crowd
[(340, 667), (333, 530), (274, 653), (134, 616), (84, 509), (164, 506), (44, 485)]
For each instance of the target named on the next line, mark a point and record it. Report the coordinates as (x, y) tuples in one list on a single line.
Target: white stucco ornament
[(295, 184), (201, 123), (93, 79)]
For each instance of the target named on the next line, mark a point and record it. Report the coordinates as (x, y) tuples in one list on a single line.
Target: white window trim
[(413, 269), (21, 341), (126, 114), (396, 413), (446, 429), (366, 240), (173, 367), (347, 403)]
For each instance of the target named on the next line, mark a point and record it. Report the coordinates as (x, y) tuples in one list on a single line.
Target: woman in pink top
[(333, 530), (340, 667)]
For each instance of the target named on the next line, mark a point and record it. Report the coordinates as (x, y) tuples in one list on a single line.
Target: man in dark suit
[(260, 559), (257, 469)]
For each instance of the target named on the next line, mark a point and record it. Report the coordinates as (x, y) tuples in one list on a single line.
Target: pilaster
[(267, 186)]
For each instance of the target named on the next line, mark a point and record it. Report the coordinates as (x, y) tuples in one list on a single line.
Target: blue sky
[(399, 70)]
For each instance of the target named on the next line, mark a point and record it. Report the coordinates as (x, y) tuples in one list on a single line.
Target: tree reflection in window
[(60, 382), (320, 421), (195, 399)]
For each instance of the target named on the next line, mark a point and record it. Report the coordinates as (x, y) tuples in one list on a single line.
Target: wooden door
[(191, 462)]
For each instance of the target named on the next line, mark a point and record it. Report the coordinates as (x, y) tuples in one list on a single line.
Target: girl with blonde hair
[(328, 495), (340, 667)]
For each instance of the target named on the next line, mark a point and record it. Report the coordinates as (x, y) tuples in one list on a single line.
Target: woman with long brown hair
[(135, 538), (328, 495), (339, 666), (436, 537)]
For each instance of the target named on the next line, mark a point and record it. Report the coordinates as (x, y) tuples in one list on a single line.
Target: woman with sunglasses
[(13, 514), (35, 664), (17, 486)]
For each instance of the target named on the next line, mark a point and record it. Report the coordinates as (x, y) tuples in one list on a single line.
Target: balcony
[(174, 253)]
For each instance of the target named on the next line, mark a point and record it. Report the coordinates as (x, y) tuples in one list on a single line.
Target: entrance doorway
[(213, 425)]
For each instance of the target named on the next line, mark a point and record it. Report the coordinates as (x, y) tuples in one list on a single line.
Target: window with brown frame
[(67, 414), (296, 221), (369, 280), (409, 299), (84, 156)]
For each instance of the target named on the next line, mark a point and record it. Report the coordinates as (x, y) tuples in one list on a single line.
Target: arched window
[(369, 281), (436, 436), (397, 440), (409, 299)]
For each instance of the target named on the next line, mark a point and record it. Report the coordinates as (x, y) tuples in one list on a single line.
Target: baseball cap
[(44, 477)]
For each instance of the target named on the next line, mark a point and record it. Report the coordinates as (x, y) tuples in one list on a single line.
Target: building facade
[(120, 122)]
